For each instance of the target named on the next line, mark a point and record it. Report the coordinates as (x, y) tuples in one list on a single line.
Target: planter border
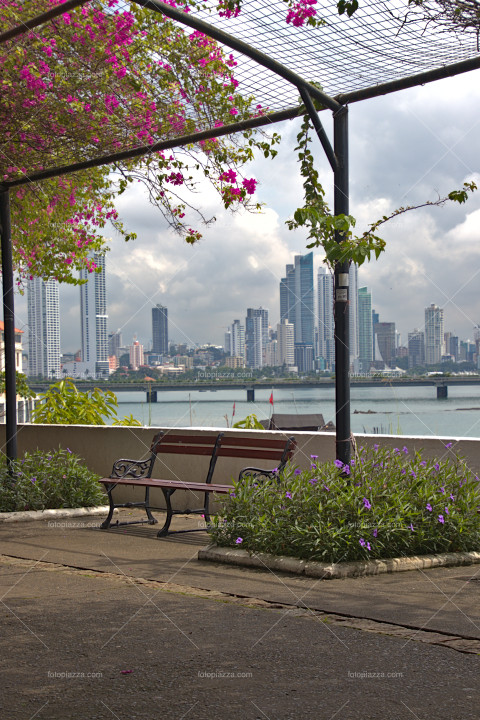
[(52, 514), (334, 571)]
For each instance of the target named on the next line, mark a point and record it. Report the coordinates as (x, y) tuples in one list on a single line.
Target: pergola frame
[(337, 157)]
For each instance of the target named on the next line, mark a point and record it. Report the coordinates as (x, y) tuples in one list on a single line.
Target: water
[(397, 410)]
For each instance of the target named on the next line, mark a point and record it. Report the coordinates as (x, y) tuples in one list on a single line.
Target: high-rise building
[(297, 298), (385, 335), (353, 314), (375, 320), (303, 356), (434, 340), (94, 319), (365, 329), (238, 340), (416, 348), (286, 343), (256, 336), (160, 330), (136, 355), (228, 343), (325, 320), (114, 344), (43, 328)]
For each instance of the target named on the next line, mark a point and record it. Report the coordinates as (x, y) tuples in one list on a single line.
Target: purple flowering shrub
[(41, 480), (387, 503)]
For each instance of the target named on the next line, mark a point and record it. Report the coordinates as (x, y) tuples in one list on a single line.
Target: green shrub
[(41, 480), (388, 503)]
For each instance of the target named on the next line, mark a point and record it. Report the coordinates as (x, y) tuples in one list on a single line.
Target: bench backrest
[(279, 451)]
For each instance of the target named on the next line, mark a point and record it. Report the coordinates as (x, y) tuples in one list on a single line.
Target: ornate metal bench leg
[(151, 520), (164, 530), (106, 523)]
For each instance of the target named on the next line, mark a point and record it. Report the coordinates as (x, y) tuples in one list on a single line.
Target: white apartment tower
[(325, 321), (94, 318), (286, 343), (43, 328), (434, 335)]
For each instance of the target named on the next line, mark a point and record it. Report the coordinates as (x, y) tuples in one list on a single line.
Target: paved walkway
[(121, 624)]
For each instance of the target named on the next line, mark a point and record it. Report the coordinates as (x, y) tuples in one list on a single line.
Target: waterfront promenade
[(120, 624)]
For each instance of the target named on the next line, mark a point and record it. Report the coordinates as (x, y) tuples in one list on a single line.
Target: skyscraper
[(297, 298), (238, 340), (353, 306), (385, 333), (434, 341), (94, 318), (326, 343), (286, 343), (114, 343), (43, 328), (160, 330), (416, 348), (365, 329), (256, 336)]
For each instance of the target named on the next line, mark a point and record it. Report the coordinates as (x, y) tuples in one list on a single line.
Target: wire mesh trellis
[(376, 45)]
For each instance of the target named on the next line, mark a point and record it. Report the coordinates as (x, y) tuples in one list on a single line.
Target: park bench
[(139, 472)]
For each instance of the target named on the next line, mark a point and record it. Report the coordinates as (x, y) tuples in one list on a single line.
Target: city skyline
[(400, 155)]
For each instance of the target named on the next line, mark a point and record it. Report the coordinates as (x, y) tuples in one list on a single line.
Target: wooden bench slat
[(177, 484)]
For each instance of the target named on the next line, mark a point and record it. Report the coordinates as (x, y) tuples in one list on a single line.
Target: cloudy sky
[(404, 149)]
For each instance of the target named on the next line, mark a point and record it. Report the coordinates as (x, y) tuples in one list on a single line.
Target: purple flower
[(362, 542), (447, 511), (375, 532), (288, 495), (396, 451), (239, 540), (429, 507), (313, 481), (405, 450), (338, 463), (69, 451), (423, 463), (369, 547), (404, 472), (452, 498), (314, 457), (442, 490), (437, 467), (275, 470), (411, 527), (232, 494), (298, 471), (34, 480), (313, 467), (413, 474), (440, 519), (448, 445), (346, 469), (366, 503), (375, 447), (326, 488)]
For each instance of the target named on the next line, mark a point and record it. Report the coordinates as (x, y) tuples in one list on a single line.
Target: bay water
[(390, 410)]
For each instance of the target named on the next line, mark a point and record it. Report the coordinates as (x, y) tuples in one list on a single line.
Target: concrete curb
[(325, 571), (53, 514)]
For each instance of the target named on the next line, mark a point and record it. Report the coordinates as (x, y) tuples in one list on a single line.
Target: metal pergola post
[(341, 290), (9, 327)]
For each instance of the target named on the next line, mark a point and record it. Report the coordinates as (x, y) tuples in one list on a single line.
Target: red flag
[(271, 399), (233, 413)]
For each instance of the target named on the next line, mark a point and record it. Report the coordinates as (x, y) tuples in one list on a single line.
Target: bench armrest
[(257, 474), (125, 468)]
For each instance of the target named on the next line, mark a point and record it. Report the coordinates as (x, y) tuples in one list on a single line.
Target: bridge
[(151, 389)]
